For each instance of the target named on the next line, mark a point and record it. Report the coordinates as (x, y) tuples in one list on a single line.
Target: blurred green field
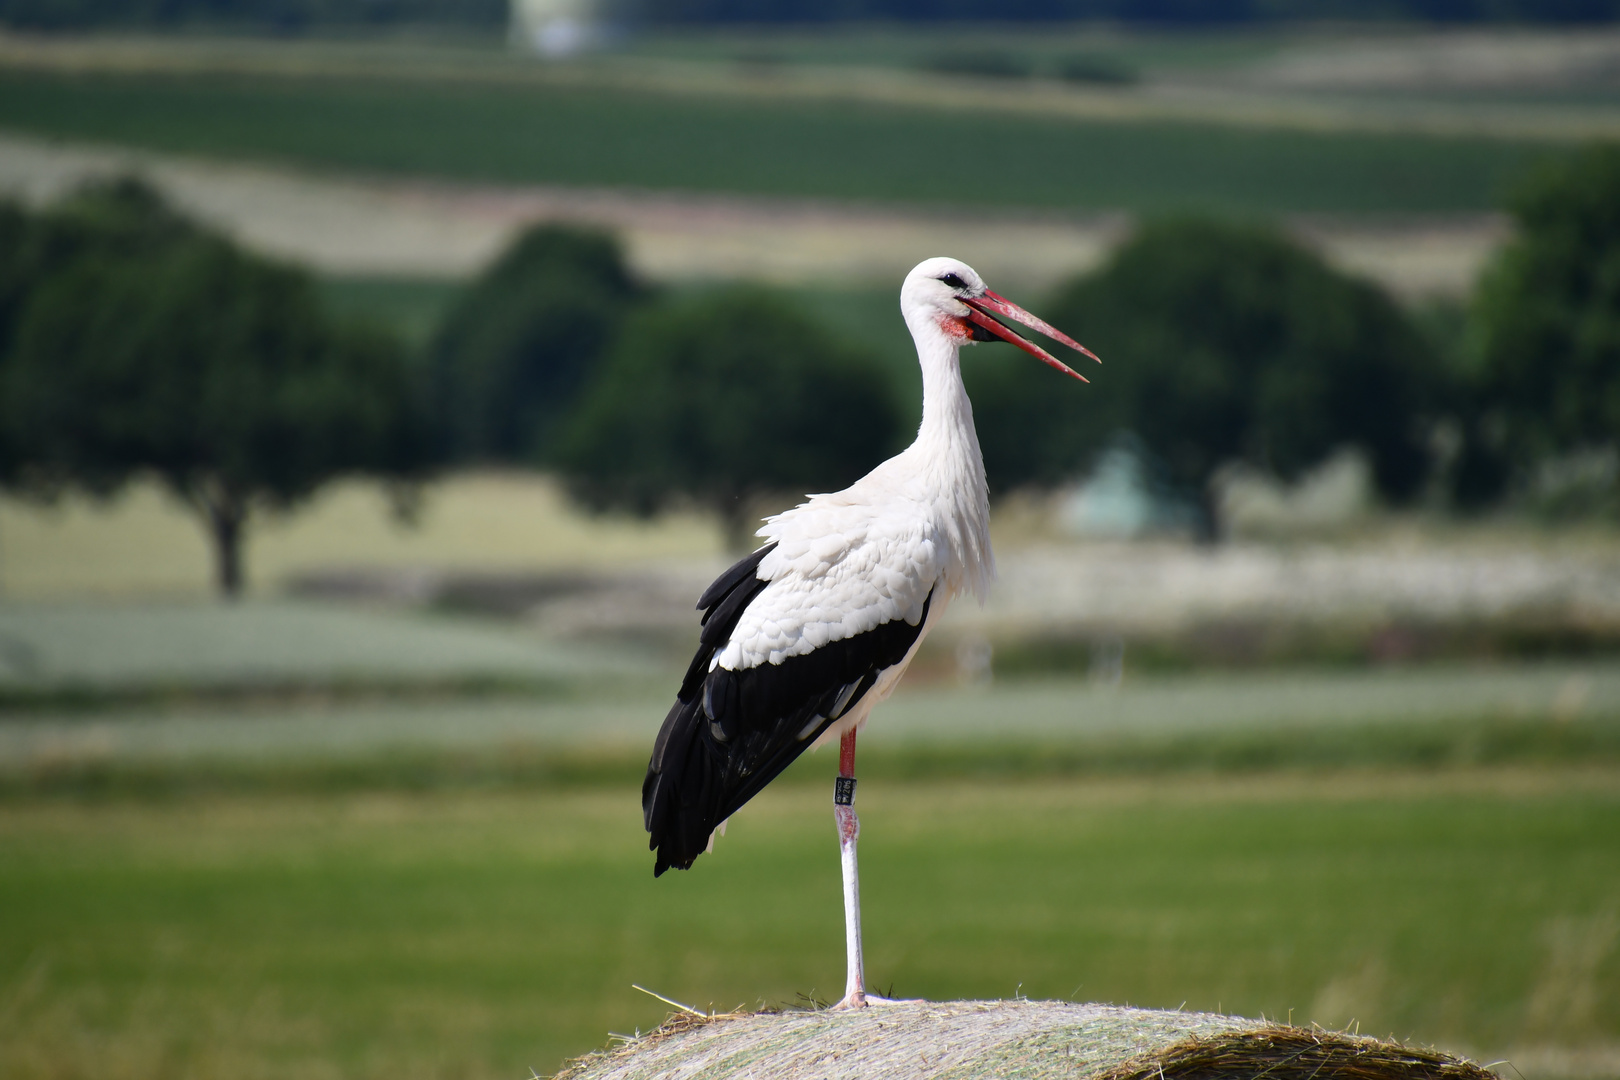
[(591, 135), (917, 44), (144, 543), (240, 649), (480, 934), (165, 689)]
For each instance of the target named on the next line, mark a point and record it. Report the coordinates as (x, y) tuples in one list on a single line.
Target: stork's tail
[(682, 797)]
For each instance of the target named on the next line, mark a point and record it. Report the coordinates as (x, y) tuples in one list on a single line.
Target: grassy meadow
[(478, 934), (417, 882), (143, 543), (589, 135)]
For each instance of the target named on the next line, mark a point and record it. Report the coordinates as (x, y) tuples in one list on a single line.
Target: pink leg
[(849, 829)]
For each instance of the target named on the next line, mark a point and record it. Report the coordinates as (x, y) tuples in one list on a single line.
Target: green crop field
[(916, 45), (530, 132), (481, 934), (144, 543)]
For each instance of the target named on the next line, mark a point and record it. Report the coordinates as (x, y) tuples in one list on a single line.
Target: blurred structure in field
[(560, 28), (1333, 496), (1128, 494)]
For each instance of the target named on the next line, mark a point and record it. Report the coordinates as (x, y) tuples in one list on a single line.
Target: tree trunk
[(226, 516), (738, 520), (1211, 529)]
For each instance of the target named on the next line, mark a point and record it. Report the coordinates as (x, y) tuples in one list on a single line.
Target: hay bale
[(1007, 1039)]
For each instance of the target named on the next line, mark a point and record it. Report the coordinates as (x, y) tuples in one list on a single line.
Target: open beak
[(981, 309)]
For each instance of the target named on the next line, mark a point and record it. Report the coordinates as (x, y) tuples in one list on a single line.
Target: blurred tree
[(1545, 372), (721, 399), (123, 217), (16, 247), (513, 353), (1220, 342), (281, 16), (150, 345)]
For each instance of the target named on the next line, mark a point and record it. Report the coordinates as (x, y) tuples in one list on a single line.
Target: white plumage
[(919, 523), (801, 639)]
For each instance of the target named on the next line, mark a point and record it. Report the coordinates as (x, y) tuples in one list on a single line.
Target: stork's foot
[(862, 1000)]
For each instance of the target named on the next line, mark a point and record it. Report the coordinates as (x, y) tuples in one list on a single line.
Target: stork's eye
[(953, 281)]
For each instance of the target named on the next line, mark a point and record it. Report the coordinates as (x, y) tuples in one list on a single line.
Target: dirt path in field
[(360, 226), (1467, 59)]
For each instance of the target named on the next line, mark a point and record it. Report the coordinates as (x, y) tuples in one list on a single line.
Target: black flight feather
[(722, 604), (730, 733)]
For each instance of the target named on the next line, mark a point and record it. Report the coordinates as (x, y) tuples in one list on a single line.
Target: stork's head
[(948, 296)]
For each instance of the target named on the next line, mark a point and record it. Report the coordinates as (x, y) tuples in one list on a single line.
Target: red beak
[(982, 306)]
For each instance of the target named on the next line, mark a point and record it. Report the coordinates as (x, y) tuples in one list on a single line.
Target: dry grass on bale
[(677, 1023), (1282, 1052), (1029, 1040)]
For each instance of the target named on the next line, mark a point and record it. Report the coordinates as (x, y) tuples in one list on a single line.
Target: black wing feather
[(722, 604), (730, 733), (744, 569)]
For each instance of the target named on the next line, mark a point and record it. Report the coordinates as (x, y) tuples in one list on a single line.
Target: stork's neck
[(947, 458), (947, 420)]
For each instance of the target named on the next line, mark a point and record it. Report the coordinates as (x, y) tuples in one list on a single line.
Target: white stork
[(803, 637)]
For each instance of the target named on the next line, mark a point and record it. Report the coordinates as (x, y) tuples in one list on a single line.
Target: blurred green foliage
[(988, 63), (412, 307), (1220, 342), (1544, 373), (720, 398), (1224, 342), (508, 363), (275, 15), (139, 341), (1095, 68)]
